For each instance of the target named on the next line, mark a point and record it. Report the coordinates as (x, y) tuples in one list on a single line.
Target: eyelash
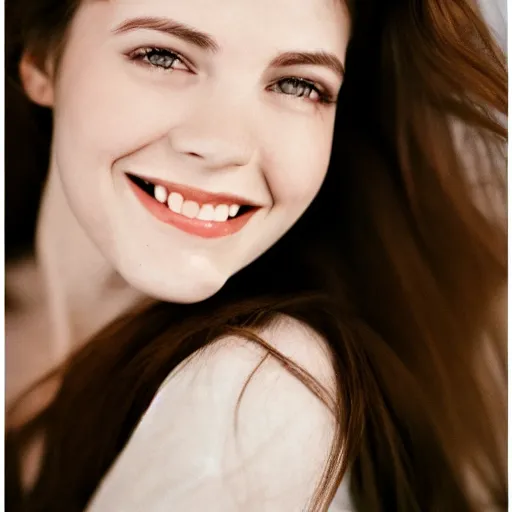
[(144, 54)]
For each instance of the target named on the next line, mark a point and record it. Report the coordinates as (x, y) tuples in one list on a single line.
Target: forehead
[(283, 24)]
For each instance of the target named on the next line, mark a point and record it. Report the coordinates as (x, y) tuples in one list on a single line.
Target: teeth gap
[(243, 209), (149, 188)]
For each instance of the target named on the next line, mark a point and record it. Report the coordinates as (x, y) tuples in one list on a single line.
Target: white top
[(184, 455)]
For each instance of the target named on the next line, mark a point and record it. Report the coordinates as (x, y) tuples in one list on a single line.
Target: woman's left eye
[(159, 58), (300, 88)]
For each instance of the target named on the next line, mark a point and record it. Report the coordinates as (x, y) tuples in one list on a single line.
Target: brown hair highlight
[(402, 284)]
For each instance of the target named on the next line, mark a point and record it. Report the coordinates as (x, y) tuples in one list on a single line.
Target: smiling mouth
[(191, 210), (216, 209)]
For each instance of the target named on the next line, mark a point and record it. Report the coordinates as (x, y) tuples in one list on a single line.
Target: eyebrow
[(319, 58), (170, 27), (207, 42)]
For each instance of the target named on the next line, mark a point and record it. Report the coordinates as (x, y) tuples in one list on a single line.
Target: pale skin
[(217, 122)]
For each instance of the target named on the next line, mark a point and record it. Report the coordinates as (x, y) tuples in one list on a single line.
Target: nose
[(215, 135)]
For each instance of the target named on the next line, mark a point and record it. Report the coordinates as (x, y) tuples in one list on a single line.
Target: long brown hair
[(402, 281)]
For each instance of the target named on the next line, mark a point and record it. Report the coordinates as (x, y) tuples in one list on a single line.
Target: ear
[(37, 83)]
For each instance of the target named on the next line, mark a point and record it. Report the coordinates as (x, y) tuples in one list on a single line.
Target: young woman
[(268, 258)]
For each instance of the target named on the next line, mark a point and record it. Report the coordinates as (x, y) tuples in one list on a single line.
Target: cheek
[(105, 113), (299, 160)]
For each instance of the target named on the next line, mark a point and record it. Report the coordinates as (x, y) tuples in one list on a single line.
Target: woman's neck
[(83, 291)]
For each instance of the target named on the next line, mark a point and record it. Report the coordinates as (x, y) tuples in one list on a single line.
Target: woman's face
[(220, 104)]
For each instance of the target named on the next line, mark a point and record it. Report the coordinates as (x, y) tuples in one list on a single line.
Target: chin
[(182, 288)]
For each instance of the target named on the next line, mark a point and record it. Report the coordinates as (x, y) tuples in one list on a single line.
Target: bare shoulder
[(294, 340), (266, 455)]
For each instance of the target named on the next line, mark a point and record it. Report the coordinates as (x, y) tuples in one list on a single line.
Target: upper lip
[(198, 195)]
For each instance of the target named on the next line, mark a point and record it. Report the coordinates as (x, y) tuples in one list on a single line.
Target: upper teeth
[(193, 210)]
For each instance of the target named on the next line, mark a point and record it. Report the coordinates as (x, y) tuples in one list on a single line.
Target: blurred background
[(496, 12)]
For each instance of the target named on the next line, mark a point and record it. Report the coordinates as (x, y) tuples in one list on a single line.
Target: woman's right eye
[(159, 58)]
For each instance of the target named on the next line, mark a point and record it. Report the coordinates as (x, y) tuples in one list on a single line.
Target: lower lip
[(201, 228)]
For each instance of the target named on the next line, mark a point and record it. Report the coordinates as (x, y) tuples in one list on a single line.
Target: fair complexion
[(224, 112), (241, 103)]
